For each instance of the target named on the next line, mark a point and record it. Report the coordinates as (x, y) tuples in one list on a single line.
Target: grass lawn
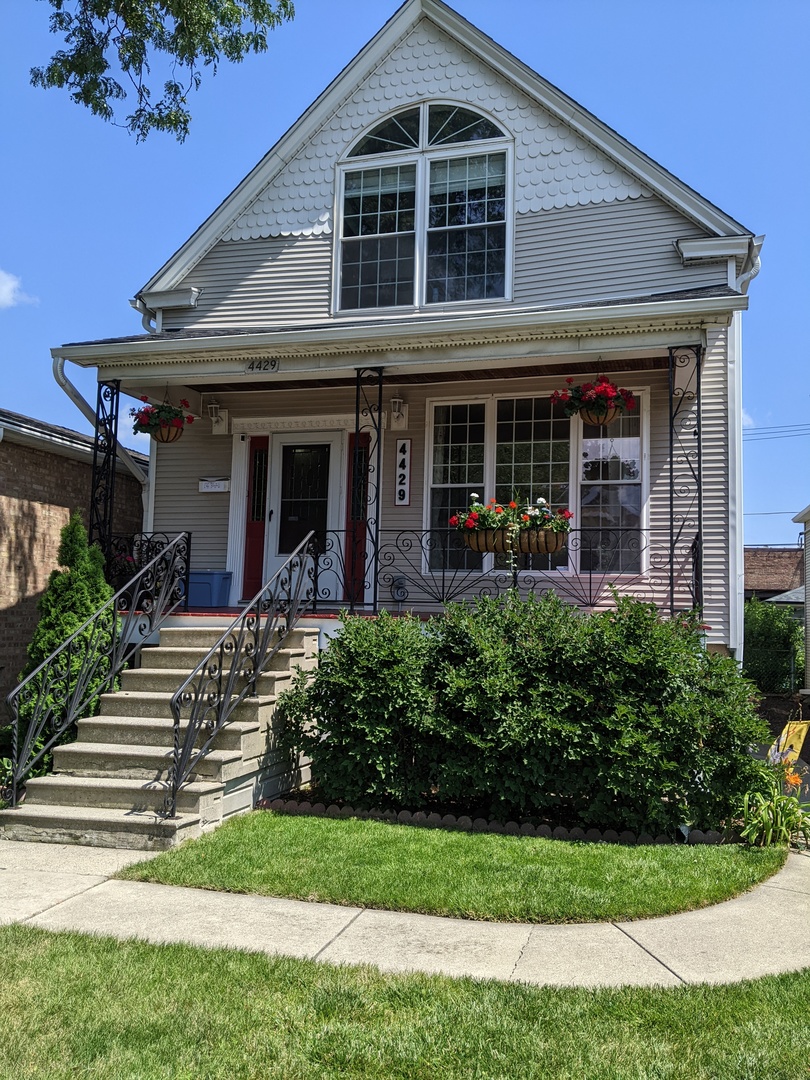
[(474, 876), (92, 1007)]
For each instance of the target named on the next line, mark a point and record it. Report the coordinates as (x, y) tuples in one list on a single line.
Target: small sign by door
[(402, 496)]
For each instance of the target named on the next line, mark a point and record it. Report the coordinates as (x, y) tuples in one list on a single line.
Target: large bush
[(773, 650), (362, 718), (532, 709)]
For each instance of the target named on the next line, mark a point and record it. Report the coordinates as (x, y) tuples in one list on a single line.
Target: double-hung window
[(525, 448), (424, 211)]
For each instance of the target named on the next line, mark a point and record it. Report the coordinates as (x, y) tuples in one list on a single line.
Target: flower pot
[(540, 541), (599, 419), (488, 539), (167, 434)]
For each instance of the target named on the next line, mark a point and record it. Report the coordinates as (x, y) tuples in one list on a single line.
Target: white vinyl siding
[(605, 251), (274, 282)]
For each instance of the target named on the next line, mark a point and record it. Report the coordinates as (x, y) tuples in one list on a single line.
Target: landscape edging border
[(465, 823)]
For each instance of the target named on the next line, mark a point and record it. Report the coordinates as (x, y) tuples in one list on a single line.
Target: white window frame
[(422, 157), (490, 402)]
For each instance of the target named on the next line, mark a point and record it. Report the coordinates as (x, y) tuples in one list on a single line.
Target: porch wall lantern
[(399, 414)]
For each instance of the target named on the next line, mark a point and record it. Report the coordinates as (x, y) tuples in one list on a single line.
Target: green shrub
[(773, 651), (361, 720), (72, 595), (532, 709)]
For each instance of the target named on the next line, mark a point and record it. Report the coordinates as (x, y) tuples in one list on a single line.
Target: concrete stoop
[(108, 787)]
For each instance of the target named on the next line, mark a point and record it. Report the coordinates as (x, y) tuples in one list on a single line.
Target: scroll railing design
[(130, 552), (230, 671), (46, 705), (434, 567)]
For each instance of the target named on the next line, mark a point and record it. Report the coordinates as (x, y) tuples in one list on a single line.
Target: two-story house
[(371, 325)]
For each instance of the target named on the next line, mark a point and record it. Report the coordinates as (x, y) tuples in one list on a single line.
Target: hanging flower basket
[(533, 528), (164, 422), (598, 403), (488, 540), (166, 434), (589, 416), (541, 541)]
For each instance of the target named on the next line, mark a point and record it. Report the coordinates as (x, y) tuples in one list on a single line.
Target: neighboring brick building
[(773, 570), (44, 476)]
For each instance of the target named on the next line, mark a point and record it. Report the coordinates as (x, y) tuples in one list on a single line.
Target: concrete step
[(97, 827), (152, 703), (155, 731), (138, 762), (186, 658), (206, 637), (114, 793), (168, 680)]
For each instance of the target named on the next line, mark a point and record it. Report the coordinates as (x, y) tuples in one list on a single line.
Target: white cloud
[(747, 419), (11, 293)]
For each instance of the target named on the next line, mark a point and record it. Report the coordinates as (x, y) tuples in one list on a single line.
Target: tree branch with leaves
[(115, 47)]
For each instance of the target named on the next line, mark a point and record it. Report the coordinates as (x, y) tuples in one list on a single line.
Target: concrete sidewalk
[(61, 887)]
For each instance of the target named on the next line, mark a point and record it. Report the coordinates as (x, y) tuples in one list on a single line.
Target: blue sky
[(718, 91)]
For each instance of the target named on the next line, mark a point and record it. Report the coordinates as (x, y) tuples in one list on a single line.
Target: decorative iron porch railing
[(422, 569), (228, 674), (46, 705)]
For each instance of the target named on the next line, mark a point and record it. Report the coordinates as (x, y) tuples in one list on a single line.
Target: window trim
[(422, 157), (490, 401)]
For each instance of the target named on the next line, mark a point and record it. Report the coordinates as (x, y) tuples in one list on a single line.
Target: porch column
[(685, 470), (367, 481), (105, 450)]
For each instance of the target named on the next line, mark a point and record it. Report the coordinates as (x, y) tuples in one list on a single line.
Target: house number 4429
[(403, 477)]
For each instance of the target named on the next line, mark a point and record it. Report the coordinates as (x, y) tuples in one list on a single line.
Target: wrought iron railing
[(46, 705), (229, 672), (131, 552), (425, 568)]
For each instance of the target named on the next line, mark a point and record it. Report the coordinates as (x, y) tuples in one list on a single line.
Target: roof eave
[(342, 338)]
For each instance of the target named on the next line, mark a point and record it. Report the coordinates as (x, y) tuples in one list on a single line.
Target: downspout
[(89, 413)]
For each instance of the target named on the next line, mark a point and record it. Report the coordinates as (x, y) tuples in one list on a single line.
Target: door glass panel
[(304, 494), (258, 490)]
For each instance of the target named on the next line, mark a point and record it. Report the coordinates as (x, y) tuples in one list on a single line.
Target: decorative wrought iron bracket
[(105, 450), (685, 463)]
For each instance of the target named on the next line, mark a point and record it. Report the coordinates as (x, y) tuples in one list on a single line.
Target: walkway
[(61, 887)]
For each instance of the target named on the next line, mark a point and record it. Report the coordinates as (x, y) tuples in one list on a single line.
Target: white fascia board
[(711, 249), (802, 517), (285, 149), (455, 329), (60, 445), (637, 163)]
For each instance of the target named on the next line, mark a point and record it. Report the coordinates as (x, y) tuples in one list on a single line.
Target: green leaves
[(114, 48), (531, 709), (771, 817)]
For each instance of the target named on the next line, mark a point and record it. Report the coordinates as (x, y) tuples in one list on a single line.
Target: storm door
[(305, 496)]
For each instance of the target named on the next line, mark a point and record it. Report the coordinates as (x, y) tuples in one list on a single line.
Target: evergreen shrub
[(73, 594), (532, 709)]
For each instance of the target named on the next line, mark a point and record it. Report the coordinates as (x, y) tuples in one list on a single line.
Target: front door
[(305, 496)]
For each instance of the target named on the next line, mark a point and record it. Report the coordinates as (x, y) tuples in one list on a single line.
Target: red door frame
[(256, 516)]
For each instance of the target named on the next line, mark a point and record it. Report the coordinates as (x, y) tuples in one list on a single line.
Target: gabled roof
[(645, 169)]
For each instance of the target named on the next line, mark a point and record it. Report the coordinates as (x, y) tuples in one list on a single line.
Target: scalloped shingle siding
[(554, 166)]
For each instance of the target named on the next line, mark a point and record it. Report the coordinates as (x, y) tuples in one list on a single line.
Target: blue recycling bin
[(209, 588)]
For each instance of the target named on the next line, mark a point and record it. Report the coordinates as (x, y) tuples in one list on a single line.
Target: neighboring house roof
[(774, 570), (794, 597), (38, 434), (235, 213)]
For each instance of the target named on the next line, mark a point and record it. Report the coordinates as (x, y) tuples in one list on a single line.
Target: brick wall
[(38, 492)]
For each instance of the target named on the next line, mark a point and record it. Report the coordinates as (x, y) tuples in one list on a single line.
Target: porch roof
[(420, 341)]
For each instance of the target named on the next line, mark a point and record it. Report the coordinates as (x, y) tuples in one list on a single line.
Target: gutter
[(89, 413)]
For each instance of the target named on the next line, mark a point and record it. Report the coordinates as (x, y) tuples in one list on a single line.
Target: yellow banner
[(788, 746)]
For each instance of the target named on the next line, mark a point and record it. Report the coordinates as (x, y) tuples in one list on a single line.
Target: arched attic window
[(419, 224)]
